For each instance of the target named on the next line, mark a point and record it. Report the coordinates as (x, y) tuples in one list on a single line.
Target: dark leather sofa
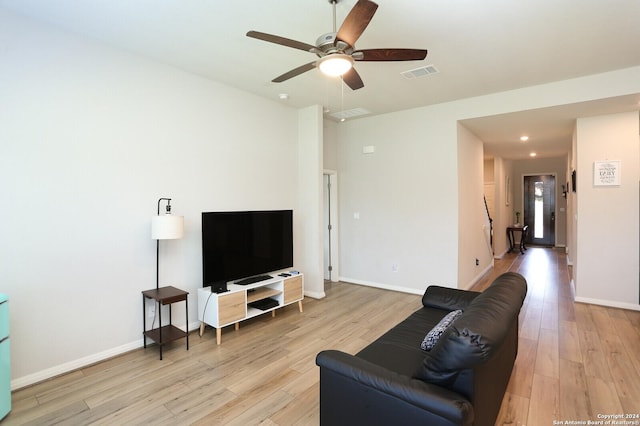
[(460, 381)]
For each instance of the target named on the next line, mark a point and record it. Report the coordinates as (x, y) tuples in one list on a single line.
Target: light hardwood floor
[(575, 361)]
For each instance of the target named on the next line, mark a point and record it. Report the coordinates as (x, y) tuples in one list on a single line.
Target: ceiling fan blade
[(352, 79), (389, 55), (282, 41), (294, 72), (356, 22)]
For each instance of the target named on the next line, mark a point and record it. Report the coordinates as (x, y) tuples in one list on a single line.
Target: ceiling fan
[(337, 51)]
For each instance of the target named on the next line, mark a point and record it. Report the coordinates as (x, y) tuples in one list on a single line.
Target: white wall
[(309, 218), (504, 213), (607, 225), (90, 138), (491, 166), (330, 145), (474, 244), (406, 192), (572, 200)]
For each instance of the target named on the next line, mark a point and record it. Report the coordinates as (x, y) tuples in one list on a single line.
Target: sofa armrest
[(447, 298), (353, 389)]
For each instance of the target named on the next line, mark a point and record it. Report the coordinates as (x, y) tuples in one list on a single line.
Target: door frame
[(334, 274), (555, 198)]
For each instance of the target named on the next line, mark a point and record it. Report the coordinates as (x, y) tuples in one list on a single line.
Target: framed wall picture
[(606, 173)]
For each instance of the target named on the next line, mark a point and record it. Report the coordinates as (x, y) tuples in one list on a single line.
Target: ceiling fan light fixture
[(336, 50), (336, 64)]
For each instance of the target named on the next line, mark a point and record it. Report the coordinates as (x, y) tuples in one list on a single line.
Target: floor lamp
[(165, 227)]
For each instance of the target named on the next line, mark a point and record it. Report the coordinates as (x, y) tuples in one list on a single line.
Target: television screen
[(238, 245)]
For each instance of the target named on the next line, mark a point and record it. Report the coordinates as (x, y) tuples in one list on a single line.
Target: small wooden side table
[(164, 334), (512, 240)]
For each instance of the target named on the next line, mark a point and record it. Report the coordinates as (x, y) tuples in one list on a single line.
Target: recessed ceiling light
[(524, 138), (533, 154), (283, 96)]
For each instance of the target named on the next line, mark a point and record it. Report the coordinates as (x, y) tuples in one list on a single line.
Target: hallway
[(576, 362)]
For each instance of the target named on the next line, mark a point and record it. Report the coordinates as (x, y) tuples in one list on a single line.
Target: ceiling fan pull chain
[(342, 98)]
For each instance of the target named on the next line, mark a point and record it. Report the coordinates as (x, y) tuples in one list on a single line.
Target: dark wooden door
[(540, 209)]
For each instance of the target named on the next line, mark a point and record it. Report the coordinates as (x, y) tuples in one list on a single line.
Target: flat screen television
[(238, 245)]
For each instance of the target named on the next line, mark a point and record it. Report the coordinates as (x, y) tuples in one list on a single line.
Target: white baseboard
[(569, 261), (500, 255), (315, 294), (382, 286), (479, 276), (608, 303), (48, 373), (67, 367)]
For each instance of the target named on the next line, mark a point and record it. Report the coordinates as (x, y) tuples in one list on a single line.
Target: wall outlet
[(151, 310), (394, 267), (477, 262)]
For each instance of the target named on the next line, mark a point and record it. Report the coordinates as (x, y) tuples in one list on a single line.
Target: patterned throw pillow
[(432, 337)]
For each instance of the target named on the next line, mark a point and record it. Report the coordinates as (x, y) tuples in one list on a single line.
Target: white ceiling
[(479, 47)]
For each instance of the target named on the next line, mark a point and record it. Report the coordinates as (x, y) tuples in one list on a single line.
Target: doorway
[(330, 225), (539, 207)]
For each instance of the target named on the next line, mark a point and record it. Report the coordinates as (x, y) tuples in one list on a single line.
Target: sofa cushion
[(434, 334), (480, 330), (398, 349), (449, 299)]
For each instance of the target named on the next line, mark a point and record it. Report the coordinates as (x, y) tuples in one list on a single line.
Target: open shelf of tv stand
[(231, 307), (260, 293)]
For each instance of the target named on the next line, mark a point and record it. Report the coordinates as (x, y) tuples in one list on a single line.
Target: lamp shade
[(167, 227)]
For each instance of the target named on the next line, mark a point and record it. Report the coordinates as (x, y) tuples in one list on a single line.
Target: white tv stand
[(221, 309)]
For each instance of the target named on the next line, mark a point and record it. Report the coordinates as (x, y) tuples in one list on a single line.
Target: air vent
[(350, 113), (420, 72)]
